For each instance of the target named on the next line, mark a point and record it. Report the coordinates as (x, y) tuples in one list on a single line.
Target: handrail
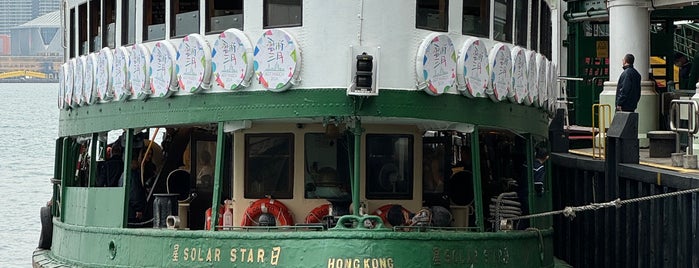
[(692, 118), (604, 112)]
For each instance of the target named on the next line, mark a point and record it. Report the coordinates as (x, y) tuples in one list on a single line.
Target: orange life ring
[(382, 212), (221, 210), (316, 215), (271, 206)]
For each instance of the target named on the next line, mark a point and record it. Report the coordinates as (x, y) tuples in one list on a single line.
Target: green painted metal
[(66, 171), (128, 155), (93, 160), (90, 246), (95, 206), (476, 172), (357, 130), (57, 168), (218, 175), (218, 107)]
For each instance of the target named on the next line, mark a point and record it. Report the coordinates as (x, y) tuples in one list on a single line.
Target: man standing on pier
[(628, 89)]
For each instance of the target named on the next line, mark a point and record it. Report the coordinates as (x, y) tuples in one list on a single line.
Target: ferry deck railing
[(603, 113), (692, 121)]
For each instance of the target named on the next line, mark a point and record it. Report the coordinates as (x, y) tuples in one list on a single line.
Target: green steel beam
[(218, 176), (298, 103), (93, 160), (128, 155), (66, 172), (356, 165), (476, 172)]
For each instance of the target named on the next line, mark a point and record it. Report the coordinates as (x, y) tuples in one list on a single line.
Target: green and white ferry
[(323, 133)]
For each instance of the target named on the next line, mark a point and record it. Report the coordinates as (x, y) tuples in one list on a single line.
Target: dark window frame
[(265, 10), (211, 8), (484, 31), (444, 20), (175, 6), (286, 193), (369, 172)]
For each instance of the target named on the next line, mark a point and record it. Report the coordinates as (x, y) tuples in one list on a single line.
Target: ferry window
[(79, 162), (433, 163), (432, 15), (110, 161), (224, 14), (326, 167), (534, 29), (95, 20), (185, 17), (71, 39), (82, 29), (154, 20), (502, 20), (521, 18), (109, 25), (282, 13), (389, 166), (545, 32), (476, 18), (269, 165), (128, 22)]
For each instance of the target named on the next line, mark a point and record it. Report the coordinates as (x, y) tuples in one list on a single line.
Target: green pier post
[(218, 176), (476, 172)]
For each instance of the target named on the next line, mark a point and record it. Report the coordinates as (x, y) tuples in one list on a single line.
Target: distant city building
[(39, 37), (17, 12), (4, 45)]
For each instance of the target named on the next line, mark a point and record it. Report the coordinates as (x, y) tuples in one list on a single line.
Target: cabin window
[(109, 23), (82, 29), (502, 20), (282, 13), (433, 166), (389, 166), (327, 167), (154, 20), (545, 31), (269, 165), (534, 29), (224, 14), (184, 17), (110, 159), (476, 18), (71, 38), (77, 163), (95, 20), (128, 22), (432, 15), (521, 18)]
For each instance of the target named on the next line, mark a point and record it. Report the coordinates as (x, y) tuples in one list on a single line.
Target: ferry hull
[(111, 247)]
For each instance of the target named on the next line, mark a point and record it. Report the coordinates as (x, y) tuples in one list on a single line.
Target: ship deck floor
[(644, 159)]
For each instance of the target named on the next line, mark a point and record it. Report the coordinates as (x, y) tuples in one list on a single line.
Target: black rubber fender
[(46, 228)]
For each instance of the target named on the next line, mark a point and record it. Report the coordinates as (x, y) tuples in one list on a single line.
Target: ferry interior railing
[(603, 114), (676, 125), (562, 101)]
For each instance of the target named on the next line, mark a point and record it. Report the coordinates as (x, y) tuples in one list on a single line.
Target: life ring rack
[(267, 205), (316, 215), (382, 212)]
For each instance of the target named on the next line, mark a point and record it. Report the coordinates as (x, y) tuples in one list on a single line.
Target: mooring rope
[(570, 211)]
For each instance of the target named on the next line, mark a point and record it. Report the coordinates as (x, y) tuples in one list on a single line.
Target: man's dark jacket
[(628, 89)]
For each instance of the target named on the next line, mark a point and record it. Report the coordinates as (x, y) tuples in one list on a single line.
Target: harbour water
[(28, 130)]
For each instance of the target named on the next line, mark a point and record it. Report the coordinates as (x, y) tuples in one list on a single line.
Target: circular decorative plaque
[(436, 64), (231, 60), (276, 60), (473, 64), (500, 60), (193, 64), (163, 79)]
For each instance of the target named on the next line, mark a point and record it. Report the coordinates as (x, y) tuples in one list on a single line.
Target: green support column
[(357, 150), (476, 172), (93, 160), (67, 170), (128, 155), (530, 175), (218, 176)]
